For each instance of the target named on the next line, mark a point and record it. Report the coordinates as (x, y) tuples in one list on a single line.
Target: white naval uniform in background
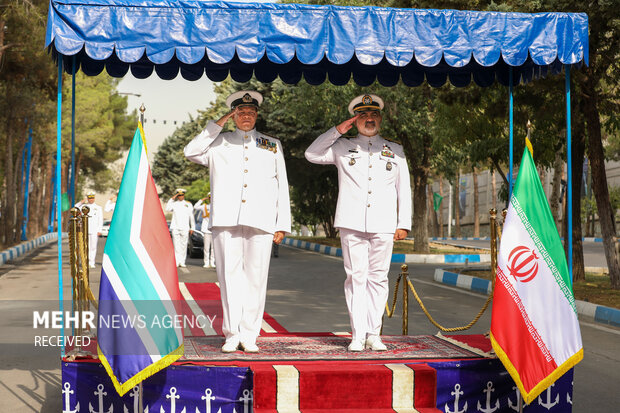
[(95, 225), (180, 224), (249, 202), (374, 199), (207, 236)]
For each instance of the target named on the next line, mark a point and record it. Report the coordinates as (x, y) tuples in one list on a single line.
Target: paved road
[(304, 294), (593, 252)]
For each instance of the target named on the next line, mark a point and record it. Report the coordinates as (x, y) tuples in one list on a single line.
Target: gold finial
[(142, 108)]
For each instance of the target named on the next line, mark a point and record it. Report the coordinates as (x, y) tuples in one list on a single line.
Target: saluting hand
[(345, 126), (400, 234), (222, 121), (278, 237)]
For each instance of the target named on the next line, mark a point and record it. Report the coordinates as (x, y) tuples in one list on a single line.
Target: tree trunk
[(579, 147), (599, 179), (432, 213), (558, 171), (420, 232), (457, 205), (476, 203), (494, 186), (8, 213), (440, 208)]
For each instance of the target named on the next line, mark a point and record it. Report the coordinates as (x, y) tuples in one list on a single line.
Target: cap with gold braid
[(244, 98), (181, 191), (90, 194), (362, 103)]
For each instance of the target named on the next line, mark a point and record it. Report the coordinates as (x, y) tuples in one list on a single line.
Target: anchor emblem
[(100, 393), (246, 399), (207, 398), (68, 392), (173, 403), (135, 394), (568, 398), (489, 408), (456, 393), (515, 406), (548, 404)]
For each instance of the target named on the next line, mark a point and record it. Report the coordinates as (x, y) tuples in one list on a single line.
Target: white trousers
[(367, 258), (208, 253), (179, 240), (92, 248), (242, 254)]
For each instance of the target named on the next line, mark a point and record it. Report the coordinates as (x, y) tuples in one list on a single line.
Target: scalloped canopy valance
[(195, 38)]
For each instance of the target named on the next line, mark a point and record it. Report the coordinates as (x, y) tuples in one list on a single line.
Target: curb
[(25, 247), (600, 313), (589, 239), (396, 258)]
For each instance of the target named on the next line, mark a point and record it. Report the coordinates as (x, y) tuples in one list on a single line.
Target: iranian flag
[(534, 326)]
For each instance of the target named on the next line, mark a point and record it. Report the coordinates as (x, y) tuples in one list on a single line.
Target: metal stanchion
[(404, 270), (82, 296)]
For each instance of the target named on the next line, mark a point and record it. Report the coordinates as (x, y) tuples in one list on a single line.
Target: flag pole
[(58, 192), (510, 132)]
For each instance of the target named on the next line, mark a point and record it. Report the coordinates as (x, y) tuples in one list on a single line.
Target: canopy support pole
[(510, 133), (58, 192), (569, 173), (72, 177)]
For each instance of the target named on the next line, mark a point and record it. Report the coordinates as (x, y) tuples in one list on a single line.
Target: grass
[(402, 247), (596, 288)]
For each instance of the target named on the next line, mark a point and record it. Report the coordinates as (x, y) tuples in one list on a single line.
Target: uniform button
[(245, 171), (370, 192), (370, 166), (243, 200), (245, 185), (370, 154), (246, 158), (368, 205), (245, 137), (370, 178), (246, 147)]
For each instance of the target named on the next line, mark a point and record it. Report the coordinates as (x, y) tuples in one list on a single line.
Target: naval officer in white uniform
[(373, 211), (181, 225), (250, 209), (204, 207), (95, 225)]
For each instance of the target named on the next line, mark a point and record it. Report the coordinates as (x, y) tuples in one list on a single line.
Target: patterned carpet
[(280, 348)]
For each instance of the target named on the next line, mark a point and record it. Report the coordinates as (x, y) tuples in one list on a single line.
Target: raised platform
[(313, 372)]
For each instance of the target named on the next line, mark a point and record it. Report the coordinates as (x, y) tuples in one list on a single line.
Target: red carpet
[(291, 347), (203, 300)]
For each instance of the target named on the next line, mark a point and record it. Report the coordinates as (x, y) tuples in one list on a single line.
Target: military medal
[(388, 166), (352, 162)]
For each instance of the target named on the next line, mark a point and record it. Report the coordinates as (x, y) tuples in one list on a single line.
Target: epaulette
[(392, 140), (269, 136)]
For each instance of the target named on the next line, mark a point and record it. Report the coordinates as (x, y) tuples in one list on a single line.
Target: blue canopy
[(317, 42)]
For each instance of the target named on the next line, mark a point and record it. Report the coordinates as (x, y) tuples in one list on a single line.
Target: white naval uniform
[(205, 210), (249, 202), (95, 225), (182, 221), (374, 199)]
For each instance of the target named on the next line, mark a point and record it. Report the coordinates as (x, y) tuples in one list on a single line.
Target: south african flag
[(139, 293)]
